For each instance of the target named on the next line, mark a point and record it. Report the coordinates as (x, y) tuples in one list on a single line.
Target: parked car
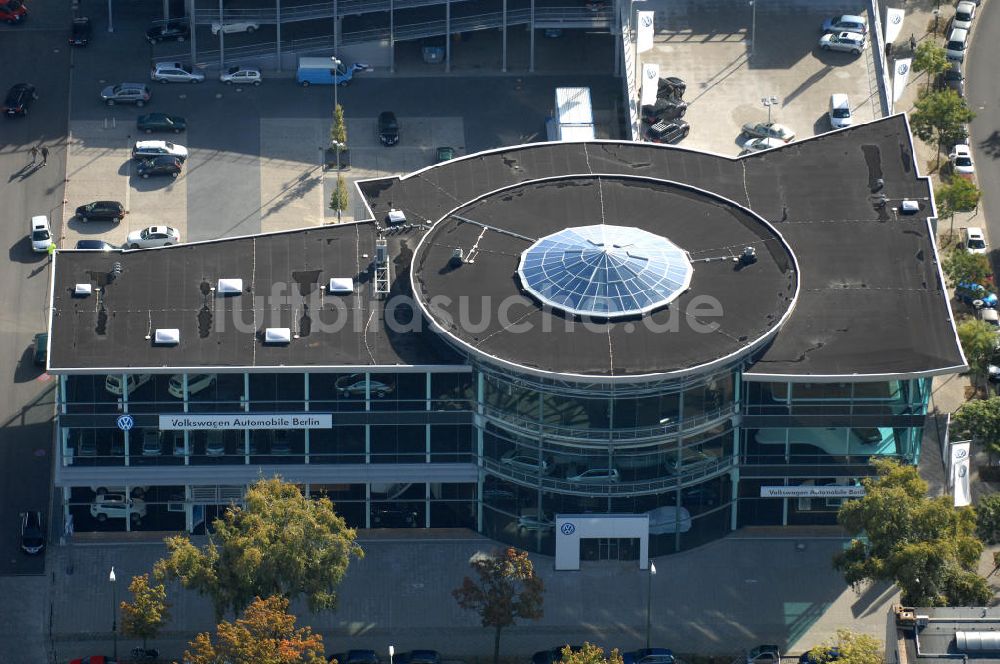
[(40, 349), (665, 108), (832, 655), (126, 93), (215, 443), (418, 657), (281, 444), (151, 445), (524, 462), (175, 72), (95, 245), (671, 86), (176, 442), (160, 122), (671, 132), (395, 518), (759, 144), (353, 385), (41, 233), (953, 78), (235, 26), (113, 383), (19, 99), (669, 519), (241, 76), (153, 236), (768, 130), (358, 657), (532, 520), (80, 32), (764, 654), (958, 41), (961, 160), (101, 211), (196, 383), (388, 128), (840, 111), (32, 532), (974, 240), (965, 11), (147, 149), (163, 165), (975, 295), (117, 506), (649, 656), (552, 655), (443, 154), (848, 42), (13, 12), (93, 659), (86, 444), (846, 23), (595, 476), (990, 317), (170, 31)]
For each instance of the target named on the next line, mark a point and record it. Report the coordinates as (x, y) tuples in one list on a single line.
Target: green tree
[(961, 266), (852, 649), (148, 612), (988, 518), (979, 341), (507, 589), (338, 130), (589, 654), (979, 419), (925, 545), (931, 58), (266, 633), (956, 195), (281, 543), (939, 115), (339, 198)]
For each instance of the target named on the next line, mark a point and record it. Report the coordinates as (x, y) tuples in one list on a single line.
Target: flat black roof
[(870, 303)]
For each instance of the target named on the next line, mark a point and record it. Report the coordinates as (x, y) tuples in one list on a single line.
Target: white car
[(990, 317), (117, 506), (154, 236), (669, 519), (768, 130), (965, 11), (113, 383), (975, 240), (175, 72), (524, 462), (961, 160), (41, 233), (151, 445), (242, 76), (596, 476), (758, 144), (846, 22), (849, 42), (840, 111), (149, 149), (235, 26), (958, 42), (196, 383)]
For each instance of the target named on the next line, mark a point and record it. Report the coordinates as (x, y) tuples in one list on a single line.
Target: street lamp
[(392, 651), (649, 600), (768, 103), (114, 608)]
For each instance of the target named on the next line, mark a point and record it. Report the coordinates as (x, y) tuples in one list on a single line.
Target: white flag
[(644, 39), (900, 74), (650, 83), (960, 473), (893, 24)]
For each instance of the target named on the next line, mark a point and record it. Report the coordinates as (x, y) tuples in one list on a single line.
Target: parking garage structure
[(599, 328)]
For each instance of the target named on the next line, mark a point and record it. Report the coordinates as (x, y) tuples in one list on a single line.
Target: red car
[(93, 659), (12, 11)]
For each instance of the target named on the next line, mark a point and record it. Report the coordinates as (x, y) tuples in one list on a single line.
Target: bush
[(988, 517)]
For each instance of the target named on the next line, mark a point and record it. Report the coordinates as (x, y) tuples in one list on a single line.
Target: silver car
[(126, 93), (154, 236), (768, 130), (241, 76), (848, 42), (175, 72)]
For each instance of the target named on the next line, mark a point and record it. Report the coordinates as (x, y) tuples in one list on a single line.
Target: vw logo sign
[(902, 69), (896, 18), (963, 471), (647, 21), (125, 422), (651, 74), (960, 454), (567, 528)]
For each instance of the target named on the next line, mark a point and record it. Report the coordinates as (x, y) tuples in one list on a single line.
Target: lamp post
[(649, 600), (392, 651), (768, 103), (114, 608)]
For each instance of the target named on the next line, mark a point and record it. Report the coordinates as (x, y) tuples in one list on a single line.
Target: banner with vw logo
[(893, 24), (644, 38), (960, 473), (650, 83), (900, 74)]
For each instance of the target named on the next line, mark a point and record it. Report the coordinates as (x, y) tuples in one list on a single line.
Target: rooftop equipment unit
[(910, 207), (749, 256), (977, 641), (230, 286), (277, 335), (457, 258), (340, 285), (167, 336), (381, 251), (395, 217), (83, 290)]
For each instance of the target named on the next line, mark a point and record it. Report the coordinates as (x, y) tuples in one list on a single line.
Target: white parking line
[(128, 180)]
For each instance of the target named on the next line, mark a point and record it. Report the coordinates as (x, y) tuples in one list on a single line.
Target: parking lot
[(731, 62)]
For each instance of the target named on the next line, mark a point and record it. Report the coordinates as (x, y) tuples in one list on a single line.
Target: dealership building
[(630, 347)]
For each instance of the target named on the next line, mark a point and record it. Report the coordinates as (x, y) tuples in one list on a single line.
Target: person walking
[(45, 156)]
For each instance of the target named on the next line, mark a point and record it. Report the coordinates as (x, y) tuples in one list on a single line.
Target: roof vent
[(115, 272), (340, 285), (749, 256), (457, 258), (381, 251), (910, 207), (167, 336), (396, 217), (230, 286), (977, 641), (83, 290), (277, 335)]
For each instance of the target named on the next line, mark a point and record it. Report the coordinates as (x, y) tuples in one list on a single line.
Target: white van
[(840, 111), (958, 41)]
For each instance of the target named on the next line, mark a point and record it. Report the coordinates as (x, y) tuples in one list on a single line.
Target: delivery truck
[(321, 71)]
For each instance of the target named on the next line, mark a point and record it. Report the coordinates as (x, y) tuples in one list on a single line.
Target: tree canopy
[(979, 341), (939, 115), (980, 420), (506, 590), (957, 195), (281, 543), (930, 57), (925, 545), (961, 266), (850, 648), (589, 654), (266, 634), (148, 612), (988, 519)]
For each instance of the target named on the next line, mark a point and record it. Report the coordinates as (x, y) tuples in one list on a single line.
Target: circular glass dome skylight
[(605, 271)]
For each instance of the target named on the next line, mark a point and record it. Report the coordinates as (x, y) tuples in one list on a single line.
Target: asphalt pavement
[(983, 91)]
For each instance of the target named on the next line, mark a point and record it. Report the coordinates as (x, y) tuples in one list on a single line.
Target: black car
[(665, 108), (32, 533), (101, 210), (418, 657), (954, 79), (80, 36), (356, 657), (668, 132), (671, 87), (19, 98), (393, 518), (170, 31), (162, 165), (40, 349), (388, 128), (552, 655), (94, 245), (161, 122)]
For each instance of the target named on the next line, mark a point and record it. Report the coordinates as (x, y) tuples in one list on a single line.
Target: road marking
[(128, 181)]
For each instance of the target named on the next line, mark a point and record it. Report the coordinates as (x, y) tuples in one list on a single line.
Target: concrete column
[(392, 36), (189, 10), (222, 42), (277, 25), (531, 39), (503, 65), (447, 36)]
